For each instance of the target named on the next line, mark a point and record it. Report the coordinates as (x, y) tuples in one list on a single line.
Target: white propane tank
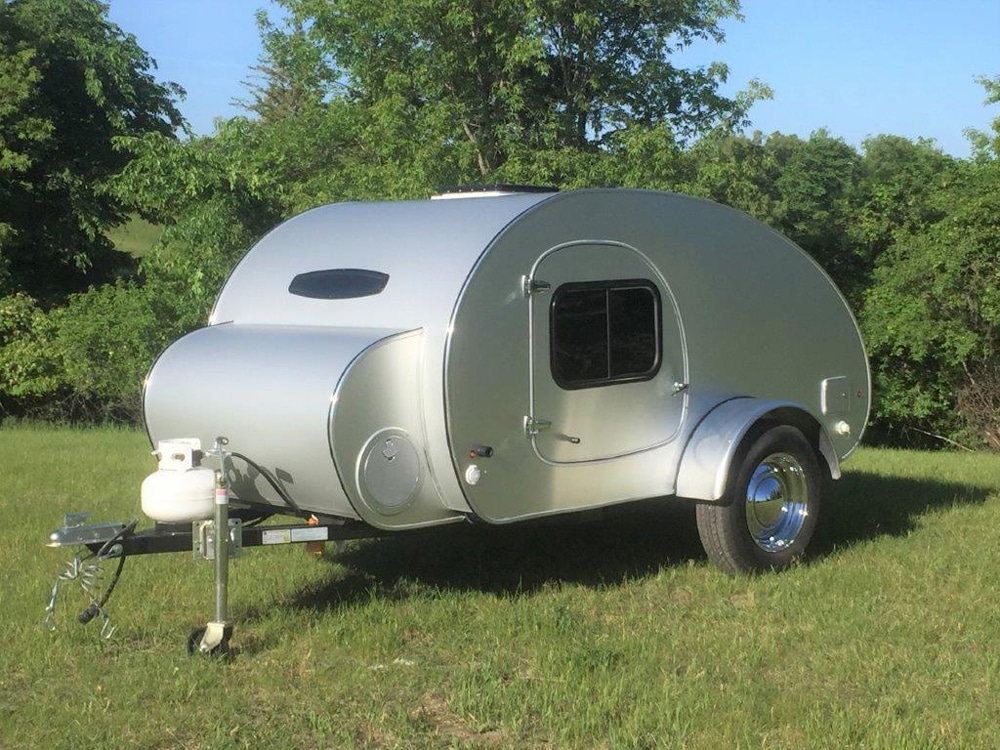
[(182, 490)]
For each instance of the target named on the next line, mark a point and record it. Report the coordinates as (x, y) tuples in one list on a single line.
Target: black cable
[(270, 480), (95, 607), (257, 521)]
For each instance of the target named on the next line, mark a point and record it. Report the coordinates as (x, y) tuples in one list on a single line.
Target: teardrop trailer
[(499, 356)]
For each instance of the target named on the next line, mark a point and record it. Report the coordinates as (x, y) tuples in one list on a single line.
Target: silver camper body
[(506, 357)]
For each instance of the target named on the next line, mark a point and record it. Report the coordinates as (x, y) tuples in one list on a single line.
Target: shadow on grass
[(604, 549), (596, 549), (863, 506)]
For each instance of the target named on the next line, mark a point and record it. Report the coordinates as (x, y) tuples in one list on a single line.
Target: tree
[(85, 359), (986, 146), (806, 189), (291, 77), (739, 171), (213, 195), (932, 314), (899, 190), (70, 83), (816, 187), (498, 82), (932, 317)]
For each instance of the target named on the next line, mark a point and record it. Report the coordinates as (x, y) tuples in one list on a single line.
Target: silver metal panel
[(752, 316), (835, 397), (588, 424), (379, 438), (759, 317), (269, 390), (426, 247), (704, 465)]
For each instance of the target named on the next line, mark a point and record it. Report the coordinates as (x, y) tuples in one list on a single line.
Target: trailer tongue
[(96, 544)]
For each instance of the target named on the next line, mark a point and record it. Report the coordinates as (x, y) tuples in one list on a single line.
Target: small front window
[(604, 332)]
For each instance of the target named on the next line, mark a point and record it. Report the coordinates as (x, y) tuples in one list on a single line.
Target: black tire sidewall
[(777, 439)]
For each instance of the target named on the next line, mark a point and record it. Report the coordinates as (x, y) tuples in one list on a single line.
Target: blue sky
[(856, 67)]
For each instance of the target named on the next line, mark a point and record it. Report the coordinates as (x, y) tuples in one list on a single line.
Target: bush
[(86, 360), (932, 318), (29, 367)]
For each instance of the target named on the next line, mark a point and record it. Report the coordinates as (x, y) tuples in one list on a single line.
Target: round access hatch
[(388, 471)]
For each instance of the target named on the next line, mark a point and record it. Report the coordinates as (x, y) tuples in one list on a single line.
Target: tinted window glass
[(580, 336), (338, 283), (604, 332), (632, 320)]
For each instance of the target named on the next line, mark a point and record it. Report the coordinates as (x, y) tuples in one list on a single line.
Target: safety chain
[(88, 572)]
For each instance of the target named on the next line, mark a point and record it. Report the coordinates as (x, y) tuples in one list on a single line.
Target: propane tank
[(182, 490)]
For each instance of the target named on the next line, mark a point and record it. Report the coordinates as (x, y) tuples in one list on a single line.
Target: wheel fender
[(704, 465)]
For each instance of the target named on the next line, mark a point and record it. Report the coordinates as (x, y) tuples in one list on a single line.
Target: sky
[(855, 67)]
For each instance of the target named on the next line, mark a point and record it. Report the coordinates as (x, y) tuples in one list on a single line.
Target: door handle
[(533, 426)]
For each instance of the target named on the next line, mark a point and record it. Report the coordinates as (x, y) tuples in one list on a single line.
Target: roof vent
[(489, 191)]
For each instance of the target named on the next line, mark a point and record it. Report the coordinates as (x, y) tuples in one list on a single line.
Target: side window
[(604, 332)]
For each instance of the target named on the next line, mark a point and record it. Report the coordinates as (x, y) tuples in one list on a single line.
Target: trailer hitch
[(105, 541), (100, 542)]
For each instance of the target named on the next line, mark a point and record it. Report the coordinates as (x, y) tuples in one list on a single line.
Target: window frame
[(608, 286)]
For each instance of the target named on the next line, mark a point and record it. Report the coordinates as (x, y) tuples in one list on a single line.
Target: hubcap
[(777, 502)]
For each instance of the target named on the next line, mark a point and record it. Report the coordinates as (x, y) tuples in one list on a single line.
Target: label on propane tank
[(288, 536)]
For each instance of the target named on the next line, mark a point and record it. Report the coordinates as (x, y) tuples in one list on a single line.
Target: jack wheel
[(221, 649)]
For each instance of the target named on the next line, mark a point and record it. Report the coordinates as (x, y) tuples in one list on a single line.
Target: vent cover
[(339, 283)]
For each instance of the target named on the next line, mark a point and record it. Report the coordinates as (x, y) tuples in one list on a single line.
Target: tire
[(770, 507)]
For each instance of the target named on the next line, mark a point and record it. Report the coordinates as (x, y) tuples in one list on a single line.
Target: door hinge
[(530, 286), (533, 426)]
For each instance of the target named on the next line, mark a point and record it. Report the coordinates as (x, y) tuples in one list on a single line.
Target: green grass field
[(607, 634)]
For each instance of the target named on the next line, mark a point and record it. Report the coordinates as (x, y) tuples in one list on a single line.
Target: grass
[(602, 634), (136, 237)]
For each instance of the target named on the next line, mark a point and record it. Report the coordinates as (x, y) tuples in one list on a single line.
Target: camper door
[(607, 359)]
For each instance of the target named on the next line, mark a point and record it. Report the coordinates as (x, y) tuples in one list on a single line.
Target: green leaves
[(70, 82), (28, 366), (932, 315), (498, 82), (367, 100), (87, 358)]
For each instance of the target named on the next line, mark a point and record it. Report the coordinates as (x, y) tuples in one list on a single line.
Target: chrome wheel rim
[(777, 502)]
